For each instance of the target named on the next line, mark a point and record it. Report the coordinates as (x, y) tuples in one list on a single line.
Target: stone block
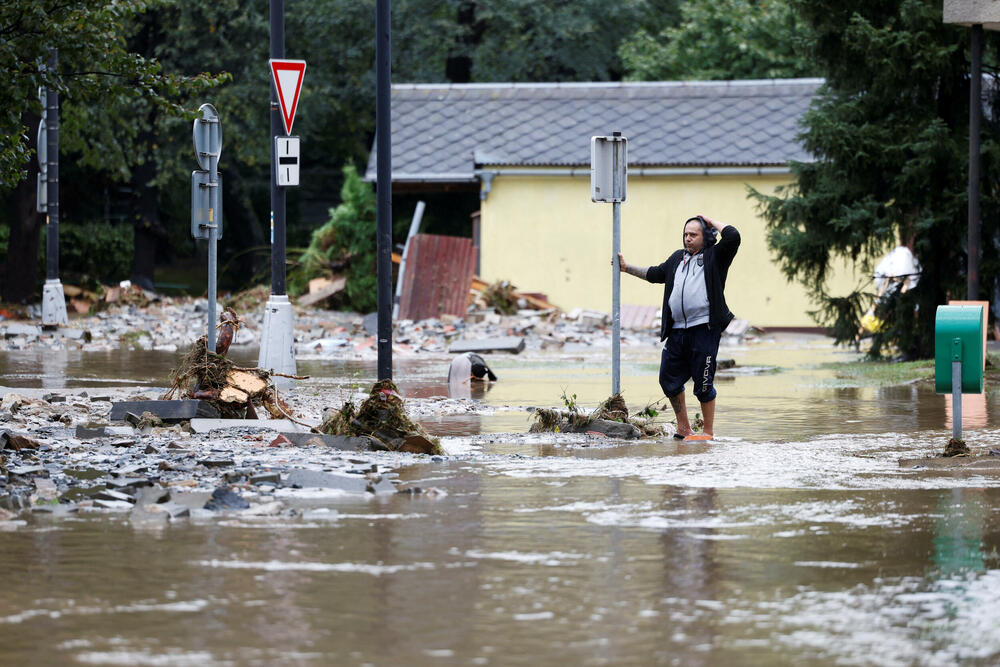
[(171, 412)]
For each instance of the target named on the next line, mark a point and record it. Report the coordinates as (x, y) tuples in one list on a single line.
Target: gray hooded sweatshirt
[(689, 297)]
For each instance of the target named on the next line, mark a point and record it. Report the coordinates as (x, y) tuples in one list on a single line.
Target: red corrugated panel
[(638, 317), (438, 275)]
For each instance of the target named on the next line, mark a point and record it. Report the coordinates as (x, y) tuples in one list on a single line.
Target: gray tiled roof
[(440, 131)]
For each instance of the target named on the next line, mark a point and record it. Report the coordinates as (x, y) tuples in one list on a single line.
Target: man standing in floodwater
[(694, 315)]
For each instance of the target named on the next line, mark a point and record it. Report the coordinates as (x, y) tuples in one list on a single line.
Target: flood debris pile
[(610, 419), (500, 296), (956, 447), (234, 391), (381, 416)]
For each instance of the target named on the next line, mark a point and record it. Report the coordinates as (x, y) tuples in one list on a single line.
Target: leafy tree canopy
[(94, 65), (726, 39)]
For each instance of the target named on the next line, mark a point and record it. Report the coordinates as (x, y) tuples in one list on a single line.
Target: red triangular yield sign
[(287, 76)]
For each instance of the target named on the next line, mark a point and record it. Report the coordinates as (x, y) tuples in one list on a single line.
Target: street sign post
[(41, 182), (287, 76), (206, 198), (286, 150), (277, 342), (608, 181)]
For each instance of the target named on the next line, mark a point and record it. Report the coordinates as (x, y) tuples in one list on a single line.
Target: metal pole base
[(53, 304), (277, 341)]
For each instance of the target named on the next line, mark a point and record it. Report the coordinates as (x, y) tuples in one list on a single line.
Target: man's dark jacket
[(718, 257)]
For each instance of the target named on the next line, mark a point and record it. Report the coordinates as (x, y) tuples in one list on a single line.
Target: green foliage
[(348, 243), (889, 134), (570, 402), (89, 253), (727, 39), (97, 72), (527, 40), (95, 252)]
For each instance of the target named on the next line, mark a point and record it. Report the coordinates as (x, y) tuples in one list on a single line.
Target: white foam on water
[(551, 559), (458, 446), (579, 506), (375, 570), (898, 621), (311, 494), (822, 563), (836, 462), (372, 517), (187, 606), (171, 659), (535, 616)]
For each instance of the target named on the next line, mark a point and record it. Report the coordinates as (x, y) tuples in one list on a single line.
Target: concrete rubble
[(59, 459), (61, 453), (171, 324)]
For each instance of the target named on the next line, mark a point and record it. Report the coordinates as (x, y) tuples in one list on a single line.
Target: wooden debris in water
[(381, 416), (956, 447), (612, 409)]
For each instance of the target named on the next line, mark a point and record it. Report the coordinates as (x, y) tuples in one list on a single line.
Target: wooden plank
[(512, 344), (171, 412), (323, 293), (479, 285)]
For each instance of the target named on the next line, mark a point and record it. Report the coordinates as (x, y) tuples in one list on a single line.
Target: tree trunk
[(21, 270), (249, 233), (146, 215), (458, 66)]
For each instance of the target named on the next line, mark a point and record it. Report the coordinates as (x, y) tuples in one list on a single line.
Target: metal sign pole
[(277, 345), (214, 195), (956, 400), (616, 283), (608, 180), (277, 130), (206, 199)]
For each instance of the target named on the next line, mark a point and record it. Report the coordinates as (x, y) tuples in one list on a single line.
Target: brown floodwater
[(795, 539)]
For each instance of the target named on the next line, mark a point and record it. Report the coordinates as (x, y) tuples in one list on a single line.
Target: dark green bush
[(92, 252)]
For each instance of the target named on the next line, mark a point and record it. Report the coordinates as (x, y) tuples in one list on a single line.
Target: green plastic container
[(958, 336)]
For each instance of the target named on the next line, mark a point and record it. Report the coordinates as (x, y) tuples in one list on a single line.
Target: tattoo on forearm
[(637, 271)]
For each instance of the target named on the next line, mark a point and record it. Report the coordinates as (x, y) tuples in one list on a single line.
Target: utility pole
[(383, 134)]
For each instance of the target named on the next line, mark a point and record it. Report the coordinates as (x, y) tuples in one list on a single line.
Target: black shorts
[(690, 354)]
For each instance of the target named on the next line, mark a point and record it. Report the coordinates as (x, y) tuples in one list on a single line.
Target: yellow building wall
[(544, 234)]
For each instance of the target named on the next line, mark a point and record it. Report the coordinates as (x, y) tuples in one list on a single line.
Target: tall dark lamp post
[(53, 301), (383, 138), (977, 16)]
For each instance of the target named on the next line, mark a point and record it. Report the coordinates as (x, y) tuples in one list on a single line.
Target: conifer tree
[(889, 136)]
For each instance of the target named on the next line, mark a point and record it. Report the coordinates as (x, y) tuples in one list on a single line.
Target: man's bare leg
[(708, 414), (680, 411)]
